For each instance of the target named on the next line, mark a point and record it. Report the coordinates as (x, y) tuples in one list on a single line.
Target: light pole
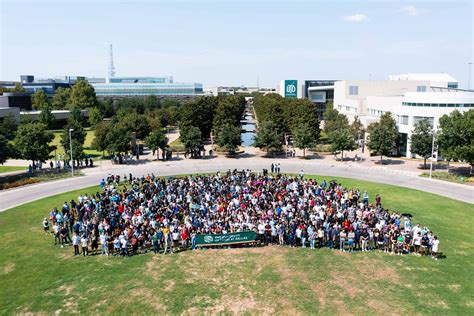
[(70, 144), (432, 152)]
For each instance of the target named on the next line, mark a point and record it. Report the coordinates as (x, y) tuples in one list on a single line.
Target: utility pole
[(432, 152), (70, 144)]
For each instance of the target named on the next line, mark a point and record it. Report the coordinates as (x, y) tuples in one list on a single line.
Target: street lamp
[(432, 152), (70, 144)]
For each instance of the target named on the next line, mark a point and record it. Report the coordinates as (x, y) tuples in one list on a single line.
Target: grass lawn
[(94, 154), (4, 169), (177, 145), (38, 277)]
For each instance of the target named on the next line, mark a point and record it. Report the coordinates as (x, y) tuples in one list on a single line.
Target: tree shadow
[(388, 161)]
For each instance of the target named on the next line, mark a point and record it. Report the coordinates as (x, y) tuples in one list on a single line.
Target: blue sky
[(234, 42)]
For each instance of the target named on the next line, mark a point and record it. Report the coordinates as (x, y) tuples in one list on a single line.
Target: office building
[(320, 92), (409, 98), (142, 86)]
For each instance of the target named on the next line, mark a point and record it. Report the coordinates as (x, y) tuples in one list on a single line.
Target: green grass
[(176, 145), (446, 176), (94, 154), (4, 169), (38, 277)]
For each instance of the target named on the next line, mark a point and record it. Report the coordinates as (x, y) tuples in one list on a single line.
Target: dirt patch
[(169, 285), (454, 287), (9, 267), (240, 305), (377, 270)]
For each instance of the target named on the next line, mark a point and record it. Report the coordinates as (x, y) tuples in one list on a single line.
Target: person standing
[(272, 167), (84, 241), (342, 240), (75, 242), (46, 226), (435, 248)]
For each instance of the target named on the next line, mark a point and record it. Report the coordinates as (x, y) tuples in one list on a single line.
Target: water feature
[(248, 129)]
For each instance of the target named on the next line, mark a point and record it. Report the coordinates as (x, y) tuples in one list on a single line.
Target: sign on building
[(291, 88)]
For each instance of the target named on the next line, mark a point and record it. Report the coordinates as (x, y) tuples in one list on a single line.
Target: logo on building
[(291, 88)]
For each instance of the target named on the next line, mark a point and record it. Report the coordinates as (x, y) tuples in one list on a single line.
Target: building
[(142, 86), (319, 92), (16, 100), (409, 98), (242, 90), (48, 85)]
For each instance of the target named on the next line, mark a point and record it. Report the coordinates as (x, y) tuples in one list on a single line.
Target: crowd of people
[(132, 215)]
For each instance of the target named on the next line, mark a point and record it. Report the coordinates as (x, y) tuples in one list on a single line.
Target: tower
[(111, 63)]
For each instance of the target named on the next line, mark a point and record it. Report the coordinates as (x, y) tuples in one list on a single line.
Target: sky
[(236, 42)]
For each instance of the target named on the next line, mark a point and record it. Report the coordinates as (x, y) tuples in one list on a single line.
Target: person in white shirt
[(84, 241), (75, 242), (435, 248)]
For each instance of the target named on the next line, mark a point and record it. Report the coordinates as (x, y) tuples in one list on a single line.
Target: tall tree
[(268, 138), (78, 138), (32, 142), (8, 127), (46, 116), (342, 139), (333, 121), (456, 139), (192, 141), (383, 136), (228, 137), (100, 136), (357, 129), (95, 116), (303, 137), (82, 95), (118, 139), (39, 100), (5, 149), (61, 98), (157, 140), (422, 140)]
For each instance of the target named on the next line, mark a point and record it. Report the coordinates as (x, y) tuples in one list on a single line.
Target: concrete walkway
[(18, 196)]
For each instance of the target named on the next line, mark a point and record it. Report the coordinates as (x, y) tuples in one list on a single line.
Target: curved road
[(18, 196)]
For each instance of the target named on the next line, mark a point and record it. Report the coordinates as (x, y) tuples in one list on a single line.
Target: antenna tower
[(111, 63)]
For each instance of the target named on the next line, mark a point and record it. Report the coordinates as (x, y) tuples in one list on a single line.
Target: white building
[(409, 97)]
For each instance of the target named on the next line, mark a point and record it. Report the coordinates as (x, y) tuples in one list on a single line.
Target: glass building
[(141, 86)]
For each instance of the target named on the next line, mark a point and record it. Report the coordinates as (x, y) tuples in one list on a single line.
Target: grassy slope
[(11, 168), (37, 276)]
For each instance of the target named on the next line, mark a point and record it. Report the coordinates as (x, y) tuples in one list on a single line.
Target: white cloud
[(410, 10), (356, 18)]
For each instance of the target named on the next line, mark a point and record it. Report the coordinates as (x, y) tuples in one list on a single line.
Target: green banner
[(226, 239)]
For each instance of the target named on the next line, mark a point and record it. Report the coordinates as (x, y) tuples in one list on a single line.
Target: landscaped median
[(38, 277)]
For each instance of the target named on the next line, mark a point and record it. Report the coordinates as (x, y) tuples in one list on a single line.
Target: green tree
[(136, 124), (422, 140), (268, 138), (342, 139), (157, 140), (357, 129), (228, 137), (18, 88), (383, 136), (456, 139), (100, 136), (95, 116), (61, 98), (46, 117), (32, 142), (303, 137), (192, 141), (199, 113), (39, 100), (118, 140), (78, 138), (5, 149), (333, 121), (8, 127), (82, 95)]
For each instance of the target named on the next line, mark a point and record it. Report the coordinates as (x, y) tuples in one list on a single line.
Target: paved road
[(18, 196)]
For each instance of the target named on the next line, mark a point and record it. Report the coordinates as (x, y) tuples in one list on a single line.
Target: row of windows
[(102, 93), (442, 105), (420, 88)]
